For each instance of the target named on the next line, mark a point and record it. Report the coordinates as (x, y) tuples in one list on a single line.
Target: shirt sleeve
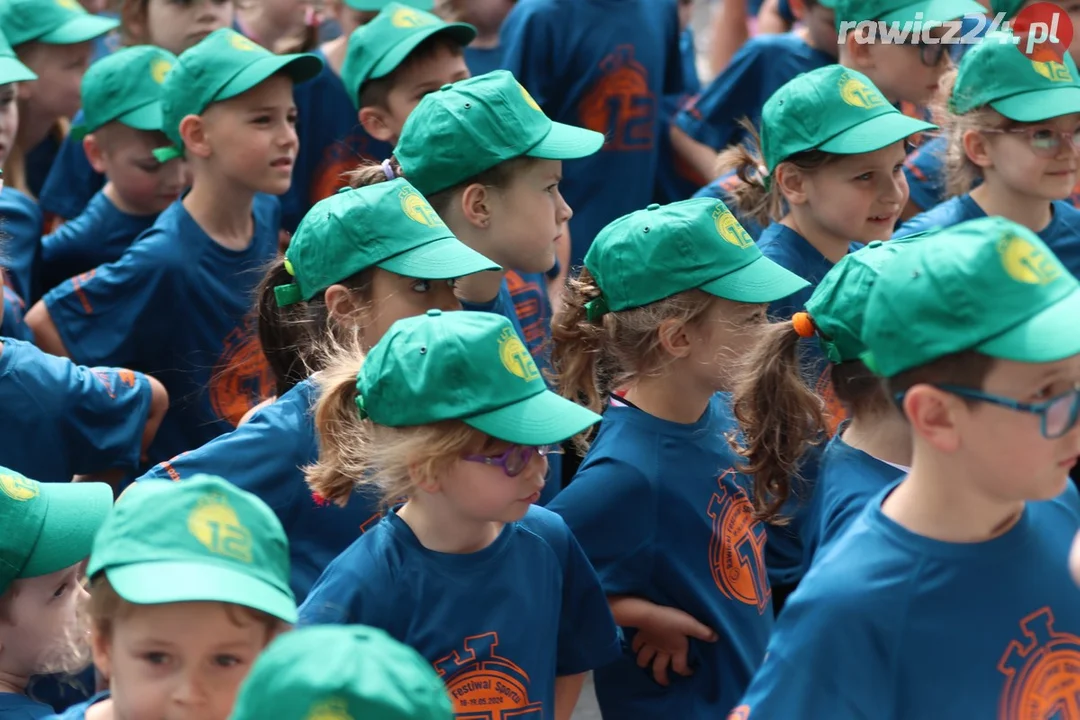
[(337, 596), (118, 313), (781, 691), (531, 40), (712, 117), (925, 174), (20, 227), (107, 409)]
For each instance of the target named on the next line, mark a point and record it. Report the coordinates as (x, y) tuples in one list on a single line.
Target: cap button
[(875, 243), (434, 313), (654, 206)]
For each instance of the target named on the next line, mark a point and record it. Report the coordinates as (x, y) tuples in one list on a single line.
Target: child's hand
[(664, 641)]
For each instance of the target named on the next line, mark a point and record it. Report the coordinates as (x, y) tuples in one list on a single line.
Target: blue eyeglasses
[(1057, 415), (516, 458)]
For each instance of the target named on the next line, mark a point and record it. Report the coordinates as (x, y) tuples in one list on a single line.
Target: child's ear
[(859, 54), (977, 148), (94, 153), (933, 414), (101, 648), (374, 123), (193, 132), (343, 304), (674, 338), (424, 482), (791, 182), (476, 205)]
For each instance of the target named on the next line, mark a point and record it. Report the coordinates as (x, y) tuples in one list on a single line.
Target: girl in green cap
[(449, 412), (1013, 127)]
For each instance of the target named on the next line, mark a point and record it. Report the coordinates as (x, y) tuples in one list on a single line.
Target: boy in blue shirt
[(178, 303), (605, 68), (120, 129), (974, 330)]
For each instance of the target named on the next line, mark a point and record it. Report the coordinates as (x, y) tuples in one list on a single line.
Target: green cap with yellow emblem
[(660, 251), (988, 285), (199, 540), (375, 678), (996, 73), (468, 366), (46, 526), (125, 87), (833, 109), (388, 225), (53, 22)]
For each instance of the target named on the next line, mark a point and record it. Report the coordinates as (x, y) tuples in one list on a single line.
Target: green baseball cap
[(125, 87), (833, 109), (476, 124), (377, 48), (377, 5), (54, 22), (988, 285), (903, 11), (996, 73), (46, 526), (11, 69), (374, 678), (200, 540), (222, 65), (389, 225), (468, 366), (660, 251)]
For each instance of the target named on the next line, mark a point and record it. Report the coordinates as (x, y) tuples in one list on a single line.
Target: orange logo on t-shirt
[(740, 713), (1042, 672), (484, 686), (242, 378), (737, 549), (620, 105)]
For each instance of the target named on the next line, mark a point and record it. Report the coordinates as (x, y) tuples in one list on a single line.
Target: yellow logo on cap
[(1052, 71), (858, 94), (159, 69), (70, 5), (730, 229), (529, 98), (409, 18), (515, 356), (214, 523), (417, 209), (332, 709), (1026, 263), (240, 42), (19, 488)]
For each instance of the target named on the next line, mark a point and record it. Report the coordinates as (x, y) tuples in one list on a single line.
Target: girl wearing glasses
[(654, 329), (449, 412), (1013, 127)]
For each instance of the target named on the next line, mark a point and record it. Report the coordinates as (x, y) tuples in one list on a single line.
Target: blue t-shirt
[(16, 706), (675, 179), (100, 235), (266, 456), (178, 306), (481, 61), (39, 162), (72, 181), (1062, 235), (498, 625), (14, 325), (604, 65), (756, 71), (891, 625), (846, 481), (662, 515), (61, 419), (20, 242), (78, 712), (722, 189)]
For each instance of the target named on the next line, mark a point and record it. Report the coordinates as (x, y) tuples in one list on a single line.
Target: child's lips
[(282, 163)]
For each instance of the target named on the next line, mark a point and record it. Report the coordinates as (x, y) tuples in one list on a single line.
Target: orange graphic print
[(835, 412), (620, 105), (106, 376), (1042, 672), (242, 377), (484, 686), (339, 158), (737, 548), (740, 713)]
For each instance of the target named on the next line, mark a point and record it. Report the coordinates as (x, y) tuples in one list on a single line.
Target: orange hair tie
[(803, 324)]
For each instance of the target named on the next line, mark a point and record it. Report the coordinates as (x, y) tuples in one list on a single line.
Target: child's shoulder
[(944, 214), (547, 526), (16, 205), (16, 706), (789, 42)]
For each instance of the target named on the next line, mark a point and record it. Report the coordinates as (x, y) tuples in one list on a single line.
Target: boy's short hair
[(384, 44), (125, 87)]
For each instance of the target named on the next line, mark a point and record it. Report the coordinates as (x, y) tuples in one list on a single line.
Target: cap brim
[(298, 67), (875, 134), (79, 29), (933, 11), (377, 5), (76, 511), (567, 142), (543, 419), (1048, 336), (762, 281), (1039, 104), (11, 70), (438, 260), (463, 33), (155, 583), (148, 117)]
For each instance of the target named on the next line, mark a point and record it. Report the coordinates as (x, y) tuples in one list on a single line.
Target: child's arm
[(46, 336), (663, 634), (699, 156), (567, 692)]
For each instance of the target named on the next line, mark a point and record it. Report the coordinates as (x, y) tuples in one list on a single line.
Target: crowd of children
[(416, 360)]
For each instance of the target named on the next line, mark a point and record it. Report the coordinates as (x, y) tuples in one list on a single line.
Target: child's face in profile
[(37, 631), (9, 119), (1012, 159), (531, 212), (395, 297), (56, 92), (481, 493), (176, 25), (140, 184), (181, 661)]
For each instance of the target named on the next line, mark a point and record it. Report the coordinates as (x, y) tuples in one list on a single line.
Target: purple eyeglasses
[(516, 458)]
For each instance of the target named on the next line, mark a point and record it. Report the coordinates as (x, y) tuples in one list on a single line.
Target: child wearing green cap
[(48, 529), (973, 329), (449, 411), (374, 677), (359, 261), (189, 582), (1013, 124), (668, 301), (120, 128), (178, 302)]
